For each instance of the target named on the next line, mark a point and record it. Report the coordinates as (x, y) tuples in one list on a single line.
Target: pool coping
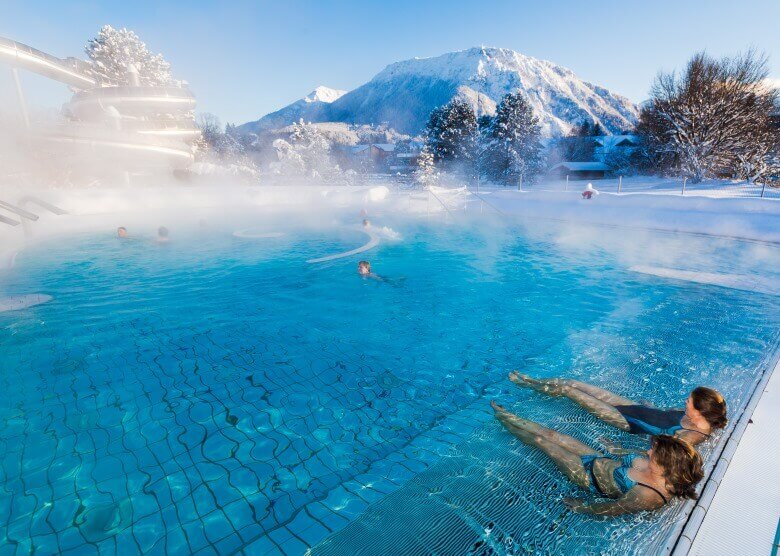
[(681, 537)]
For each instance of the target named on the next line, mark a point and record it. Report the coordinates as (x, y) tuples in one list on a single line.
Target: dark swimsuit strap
[(658, 492)]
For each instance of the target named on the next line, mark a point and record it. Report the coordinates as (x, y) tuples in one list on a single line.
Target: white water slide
[(124, 108)]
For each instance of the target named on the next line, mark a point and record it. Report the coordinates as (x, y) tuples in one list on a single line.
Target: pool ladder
[(24, 214)]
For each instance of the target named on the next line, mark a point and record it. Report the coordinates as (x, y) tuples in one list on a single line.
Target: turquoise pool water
[(220, 395)]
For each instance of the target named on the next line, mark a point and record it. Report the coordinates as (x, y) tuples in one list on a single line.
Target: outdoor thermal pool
[(218, 394)]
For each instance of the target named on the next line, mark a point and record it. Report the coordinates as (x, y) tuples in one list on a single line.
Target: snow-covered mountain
[(404, 93), (310, 108)]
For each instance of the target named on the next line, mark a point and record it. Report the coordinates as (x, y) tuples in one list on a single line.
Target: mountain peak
[(324, 94), (404, 93)]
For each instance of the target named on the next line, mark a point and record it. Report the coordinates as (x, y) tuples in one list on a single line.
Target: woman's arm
[(617, 450), (629, 503)]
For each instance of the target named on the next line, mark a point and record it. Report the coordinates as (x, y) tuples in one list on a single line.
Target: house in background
[(606, 146), (579, 170), (371, 157)]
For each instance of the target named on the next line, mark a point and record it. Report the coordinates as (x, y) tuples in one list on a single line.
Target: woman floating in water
[(705, 409), (671, 468)]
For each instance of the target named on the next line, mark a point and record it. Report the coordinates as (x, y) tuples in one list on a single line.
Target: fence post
[(520, 184), (683, 189), (763, 186), (566, 187), (620, 184)]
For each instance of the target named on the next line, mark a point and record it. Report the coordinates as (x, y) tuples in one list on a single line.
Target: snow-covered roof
[(582, 166), (609, 141), (386, 147)]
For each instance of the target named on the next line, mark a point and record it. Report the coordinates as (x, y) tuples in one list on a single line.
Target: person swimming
[(162, 235), (364, 269), (705, 408), (670, 468), (366, 223), (121, 232)]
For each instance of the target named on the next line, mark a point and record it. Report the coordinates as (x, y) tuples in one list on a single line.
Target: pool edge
[(681, 537)]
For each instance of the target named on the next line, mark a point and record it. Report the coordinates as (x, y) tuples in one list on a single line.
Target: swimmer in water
[(121, 232), (366, 223), (705, 409), (670, 468), (162, 235), (364, 269)]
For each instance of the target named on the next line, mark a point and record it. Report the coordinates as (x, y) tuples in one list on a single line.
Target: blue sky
[(244, 59)]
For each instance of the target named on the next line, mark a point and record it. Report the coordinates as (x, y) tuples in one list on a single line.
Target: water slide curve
[(155, 122)]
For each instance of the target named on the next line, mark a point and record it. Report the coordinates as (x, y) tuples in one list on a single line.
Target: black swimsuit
[(650, 420)]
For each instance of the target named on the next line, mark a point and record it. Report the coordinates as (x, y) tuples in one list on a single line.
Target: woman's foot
[(497, 407), (551, 387), (521, 379)]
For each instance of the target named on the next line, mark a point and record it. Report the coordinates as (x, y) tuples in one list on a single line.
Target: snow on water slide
[(26, 57), (126, 108), (733, 281)]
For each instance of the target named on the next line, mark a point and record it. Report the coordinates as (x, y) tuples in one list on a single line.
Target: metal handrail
[(18, 211), (43, 204), (440, 201)]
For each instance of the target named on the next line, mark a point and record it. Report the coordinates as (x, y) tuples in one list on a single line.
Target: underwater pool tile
[(217, 526), (263, 545), (196, 536)]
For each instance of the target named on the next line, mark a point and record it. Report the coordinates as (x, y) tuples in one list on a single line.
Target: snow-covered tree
[(217, 142), (451, 134), (426, 174), (714, 119), (117, 54), (512, 150), (305, 153)]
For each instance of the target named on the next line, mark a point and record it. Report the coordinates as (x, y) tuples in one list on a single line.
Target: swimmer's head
[(364, 268), (121, 231), (708, 403), (679, 464), (366, 223)]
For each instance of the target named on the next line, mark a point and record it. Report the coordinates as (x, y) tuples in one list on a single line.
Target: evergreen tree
[(116, 53), (597, 131), (451, 133), (583, 130), (511, 145), (307, 153), (426, 174)]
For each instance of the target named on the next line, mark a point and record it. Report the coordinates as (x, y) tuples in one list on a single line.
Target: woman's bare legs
[(599, 408), (562, 449), (564, 440), (599, 393)]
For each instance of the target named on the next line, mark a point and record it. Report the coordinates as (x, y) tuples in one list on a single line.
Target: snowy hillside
[(310, 108), (405, 93)]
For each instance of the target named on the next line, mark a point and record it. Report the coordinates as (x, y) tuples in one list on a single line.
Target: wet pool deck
[(739, 508)]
